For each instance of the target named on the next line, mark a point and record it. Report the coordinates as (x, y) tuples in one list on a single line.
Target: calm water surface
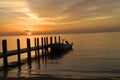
[(93, 55)]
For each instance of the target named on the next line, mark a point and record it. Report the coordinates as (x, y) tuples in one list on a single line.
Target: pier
[(44, 46)]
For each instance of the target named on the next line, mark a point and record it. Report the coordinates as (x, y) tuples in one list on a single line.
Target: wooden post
[(41, 41), (18, 51), (5, 60), (42, 44), (29, 52), (46, 46), (59, 40), (35, 41), (38, 48), (44, 41), (51, 40), (51, 43), (47, 43), (55, 40)]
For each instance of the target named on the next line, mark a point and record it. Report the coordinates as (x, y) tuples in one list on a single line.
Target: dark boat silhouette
[(61, 47)]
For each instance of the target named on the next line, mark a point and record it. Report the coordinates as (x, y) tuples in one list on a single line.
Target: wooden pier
[(37, 47)]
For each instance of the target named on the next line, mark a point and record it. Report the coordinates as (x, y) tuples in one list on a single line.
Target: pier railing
[(43, 46)]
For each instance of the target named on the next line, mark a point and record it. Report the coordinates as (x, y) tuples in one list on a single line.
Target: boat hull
[(61, 47)]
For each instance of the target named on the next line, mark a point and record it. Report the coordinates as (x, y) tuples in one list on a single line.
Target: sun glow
[(29, 33), (36, 20)]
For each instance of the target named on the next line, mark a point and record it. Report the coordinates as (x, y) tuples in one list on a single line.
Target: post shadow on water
[(39, 59)]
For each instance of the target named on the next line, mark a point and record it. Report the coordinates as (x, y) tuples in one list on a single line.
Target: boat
[(61, 47)]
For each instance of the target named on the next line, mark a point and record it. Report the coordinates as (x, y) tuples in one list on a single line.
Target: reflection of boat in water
[(58, 50), (61, 47)]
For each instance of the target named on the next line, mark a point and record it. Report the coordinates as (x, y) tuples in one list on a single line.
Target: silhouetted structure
[(54, 47)]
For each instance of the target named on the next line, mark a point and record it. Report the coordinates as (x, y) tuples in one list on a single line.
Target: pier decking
[(44, 46)]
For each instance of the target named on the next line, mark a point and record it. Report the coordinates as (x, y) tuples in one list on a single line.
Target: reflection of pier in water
[(41, 56), (45, 59)]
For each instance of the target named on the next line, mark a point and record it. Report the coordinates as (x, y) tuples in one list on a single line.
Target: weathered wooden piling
[(38, 52), (59, 40), (46, 40), (42, 44), (51, 42), (35, 42), (46, 44), (18, 52), (41, 41), (55, 40), (29, 52), (5, 60)]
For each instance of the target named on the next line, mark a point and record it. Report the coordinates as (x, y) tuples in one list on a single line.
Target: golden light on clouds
[(99, 18), (58, 15)]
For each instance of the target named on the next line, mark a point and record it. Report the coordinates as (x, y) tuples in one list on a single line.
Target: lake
[(93, 55)]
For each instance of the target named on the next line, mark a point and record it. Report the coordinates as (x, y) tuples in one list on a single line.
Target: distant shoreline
[(9, 35)]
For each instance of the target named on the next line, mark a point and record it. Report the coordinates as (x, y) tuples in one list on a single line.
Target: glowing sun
[(29, 33)]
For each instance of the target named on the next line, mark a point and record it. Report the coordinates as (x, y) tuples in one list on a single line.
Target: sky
[(19, 17)]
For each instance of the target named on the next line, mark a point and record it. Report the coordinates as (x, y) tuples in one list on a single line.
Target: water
[(93, 55)]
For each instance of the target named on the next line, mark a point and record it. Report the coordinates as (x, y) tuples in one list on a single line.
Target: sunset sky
[(58, 16)]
